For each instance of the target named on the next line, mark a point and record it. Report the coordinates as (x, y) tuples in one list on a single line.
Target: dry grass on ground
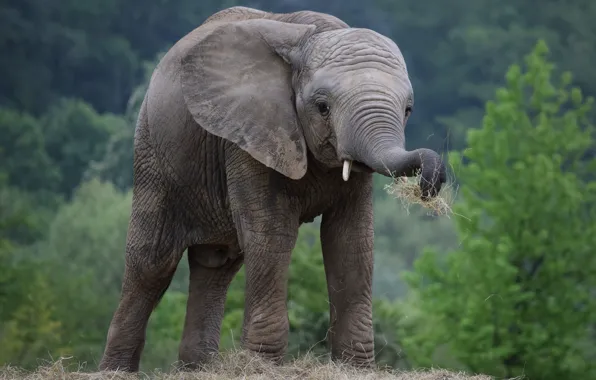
[(240, 365)]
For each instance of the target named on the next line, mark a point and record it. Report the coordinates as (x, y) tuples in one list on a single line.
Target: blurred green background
[(504, 286)]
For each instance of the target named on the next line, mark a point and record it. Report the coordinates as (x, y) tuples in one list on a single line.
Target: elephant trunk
[(372, 139), (385, 155)]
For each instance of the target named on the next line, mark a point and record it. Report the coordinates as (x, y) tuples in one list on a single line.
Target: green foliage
[(116, 164), (308, 306), (164, 331), (85, 244), (389, 317), (31, 326), (456, 56), (75, 136), (54, 284), (52, 153), (24, 159), (61, 48), (27, 309), (516, 297), (24, 217), (28, 178)]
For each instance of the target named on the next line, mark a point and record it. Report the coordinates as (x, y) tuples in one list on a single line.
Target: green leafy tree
[(56, 48), (116, 164), (30, 178), (517, 296), (51, 154), (52, 305), (26, 215), (164, 331), (30, 329), (24, 159), (76, 135), (27, 320), (85, 244)]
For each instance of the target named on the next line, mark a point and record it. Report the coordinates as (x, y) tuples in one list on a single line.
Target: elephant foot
[(273, 352), (275, 358), (356, 355), (273, 348), (249, 358), (195, 359), (120, 363)]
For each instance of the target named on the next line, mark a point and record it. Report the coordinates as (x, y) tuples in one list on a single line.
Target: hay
[(408, 191), (241, 365)]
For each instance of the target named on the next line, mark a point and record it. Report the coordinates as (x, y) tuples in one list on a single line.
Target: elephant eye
[(323, 108), (408, 111)]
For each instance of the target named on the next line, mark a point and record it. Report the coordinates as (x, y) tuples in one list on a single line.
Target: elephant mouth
[(354, 166), (358, 166)]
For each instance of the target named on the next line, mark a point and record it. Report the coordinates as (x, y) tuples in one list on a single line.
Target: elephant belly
[(214, 255)]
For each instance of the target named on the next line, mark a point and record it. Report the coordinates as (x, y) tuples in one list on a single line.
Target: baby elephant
[(253, 124)]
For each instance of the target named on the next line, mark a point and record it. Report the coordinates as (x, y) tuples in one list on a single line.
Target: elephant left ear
[(237, 84)]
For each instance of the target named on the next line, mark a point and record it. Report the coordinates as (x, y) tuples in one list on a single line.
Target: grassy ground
[(240, 366)]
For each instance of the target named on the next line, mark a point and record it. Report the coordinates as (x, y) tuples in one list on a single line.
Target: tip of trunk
[(397, 162)]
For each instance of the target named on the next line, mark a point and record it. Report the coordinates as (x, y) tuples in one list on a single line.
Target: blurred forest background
[(505, 286)]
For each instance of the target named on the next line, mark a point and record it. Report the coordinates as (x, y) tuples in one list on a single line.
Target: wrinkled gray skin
[(241, 138)]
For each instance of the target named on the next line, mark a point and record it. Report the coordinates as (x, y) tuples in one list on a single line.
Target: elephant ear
[(237, 84)]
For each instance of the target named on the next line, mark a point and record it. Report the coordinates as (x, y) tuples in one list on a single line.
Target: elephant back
[(236, 14), (324, 22)]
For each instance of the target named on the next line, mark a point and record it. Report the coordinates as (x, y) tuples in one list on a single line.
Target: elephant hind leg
[(212, 269), (153, 252)]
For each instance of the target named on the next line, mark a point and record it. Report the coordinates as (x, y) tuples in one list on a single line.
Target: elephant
[(253, 124)]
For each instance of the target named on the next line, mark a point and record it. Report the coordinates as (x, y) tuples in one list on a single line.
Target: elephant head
[(276, 88)]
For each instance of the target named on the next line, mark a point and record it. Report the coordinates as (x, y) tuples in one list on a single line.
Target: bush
[(517, 296)]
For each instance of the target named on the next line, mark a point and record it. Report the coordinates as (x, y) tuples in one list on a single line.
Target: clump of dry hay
[(241, 365), (408, 191)]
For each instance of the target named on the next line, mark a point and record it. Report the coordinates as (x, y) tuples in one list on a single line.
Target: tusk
[(347, 168)]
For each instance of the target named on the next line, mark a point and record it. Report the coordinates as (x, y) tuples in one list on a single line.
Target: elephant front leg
[(267, 258), (267, 227), (347, 243)]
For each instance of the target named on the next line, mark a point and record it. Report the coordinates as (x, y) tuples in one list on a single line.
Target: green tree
[(517, 296), (27, 321), (85, 244), (52, 153), (75, 136), (164, 331), (116, 164), (30, 329), (52, 305), (25, 161), (55, 48)]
